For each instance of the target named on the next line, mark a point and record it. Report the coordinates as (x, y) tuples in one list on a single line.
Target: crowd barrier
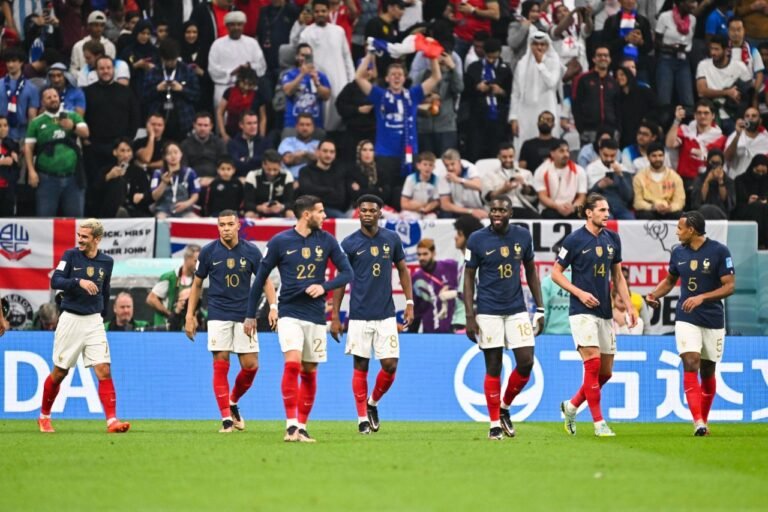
[(439, 378)]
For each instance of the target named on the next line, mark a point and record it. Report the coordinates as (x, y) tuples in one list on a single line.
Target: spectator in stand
[(629, 33), (164, 296), (694, 141), (714, 193), (607, 177), (596, 99), (636, 102), (752, 197), (344, 14), (717, 21), (749, 139), (138, 194), (300, 150), (172, 89), (508, 179), (755, 16), (140, 54), (363, 176), (386, 26), (674, 41), (534, 151), (41, 33), (229, 53), (535, 88), (193, 55), (274, 30), (149, 149), (569, 33), (325, 178), (520, 29), (556, 302), (437, 113), (21, 100), (96, 23), (464, 226), (123, 315), (175, 188), (244, 96), (472, 16), (70, 15), (635, 156), (246, 148), (561, 184), (725, 81), (460, 189), (126, 33), (620, 321), (72, 97), (367, 10), (435, 288), (203, 149), (477, 50), (113, 185), (746, 53), (46, 318), (269, 191), (92, 51), (225, 192), (39, 68), (420, 196), (115, 11), (591, 152), (9, 170), (487, 86), (356, 110), (658, 189), (306, 91)]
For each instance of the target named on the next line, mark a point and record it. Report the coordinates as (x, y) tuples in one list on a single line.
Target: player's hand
[(249, 327), (692, 303), (538, 321), (89, 286), (190, 327), (408, 315), (652, 301), (632, 317), (336, 329), (472, 329), (588, 299), (315, 290), (272, 318)]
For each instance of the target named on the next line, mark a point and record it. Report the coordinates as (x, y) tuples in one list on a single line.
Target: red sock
[(50, 390), (307, 391), (693, 394), (290, 389), (579, 398), (515, 385), (591, 387), (384, 381), (108, 398), (492, 388), (243, 383), (360, 389), (708, 392), (221, 386)]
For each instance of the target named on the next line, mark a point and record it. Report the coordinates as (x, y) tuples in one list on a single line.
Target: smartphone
[(309, 59), (124, 165), (63, 115), (611, 175)]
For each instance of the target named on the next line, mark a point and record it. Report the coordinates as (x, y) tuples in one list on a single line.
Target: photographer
[(748, 140), (714, 193)]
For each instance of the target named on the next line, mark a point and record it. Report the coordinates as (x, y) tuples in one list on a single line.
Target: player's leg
[(247, 350), (360, 391), (606, 371), (108, 399), (50, 391), (386, 347), (518, 333), (314, 352), (291, 338), (689, 340), (713, 344), (490, 339), (220, 344)]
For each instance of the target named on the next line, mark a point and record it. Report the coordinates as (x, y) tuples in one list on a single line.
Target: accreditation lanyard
[(13, 99)]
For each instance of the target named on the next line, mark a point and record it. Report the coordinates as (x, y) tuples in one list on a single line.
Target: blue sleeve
[(343, 268), (78, 99), (324, 80), (417, 94), (673, 270), (105, 288), (156, 176), (617, 258), (528, 254), (34, 95), (399, 253), (474, 254), (192, 182), (203, 261), (376, 95), (288, 76), (60, 279), (725, 267), (565, 256), (713, 23), (268, 262), (256, 257)]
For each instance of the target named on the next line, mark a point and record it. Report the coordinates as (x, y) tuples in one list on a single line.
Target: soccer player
[(706, 271), (83, 274), (496, 253), (301, 255), (594, 254), (228, 263), (372, 324)]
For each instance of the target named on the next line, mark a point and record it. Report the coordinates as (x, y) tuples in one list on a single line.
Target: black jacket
[(596, 102), (616, 43), (326, 184), (477, 100), (112, 112), (348, 101), (259, 191)]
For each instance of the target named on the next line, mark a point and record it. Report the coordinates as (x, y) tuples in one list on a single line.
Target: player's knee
[(102, 371), (524, 368), (605, 377), (361, 364), (389, 365)]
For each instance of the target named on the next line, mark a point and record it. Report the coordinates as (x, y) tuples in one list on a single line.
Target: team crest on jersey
[(504, 251), (230, 263), (705, 265), (518, 249), (101, 273), (318, 253), (243, 262), (90, 271), (385, 248), (374, 251), (610, 251), (306, 252), (599, 251), (694, 265)]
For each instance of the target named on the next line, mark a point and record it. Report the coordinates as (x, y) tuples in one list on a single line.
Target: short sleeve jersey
[(372, 259), (62, 160), (229, 274), (498, 256), (305, 99), (591, 258), (391, 111), (700, 272), (74, 267)]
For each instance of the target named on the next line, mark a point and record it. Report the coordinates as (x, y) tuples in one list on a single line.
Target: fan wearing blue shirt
[(372, 252), (301, 255), (594, 255), (705, 269), (228, 264), (496, 254)]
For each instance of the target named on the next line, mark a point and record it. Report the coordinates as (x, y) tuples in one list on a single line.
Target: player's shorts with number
[(80, 334), (306, 337), (230, 336), (379, 335), (692, 338), (593, 331), (508, 331)]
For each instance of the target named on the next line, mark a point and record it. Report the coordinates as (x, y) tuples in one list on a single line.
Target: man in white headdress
[(536, 82), (229, 53)]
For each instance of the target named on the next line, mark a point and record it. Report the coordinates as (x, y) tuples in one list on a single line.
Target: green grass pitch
[(188, 466)]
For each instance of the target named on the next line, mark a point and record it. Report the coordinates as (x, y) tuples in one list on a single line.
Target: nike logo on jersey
[(488, 253), (77, 268), (585, 251), (681, 263), (360, 252), (291, 252), (217, 262)]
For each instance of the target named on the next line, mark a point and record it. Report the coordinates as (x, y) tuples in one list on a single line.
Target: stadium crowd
[(189, 107)]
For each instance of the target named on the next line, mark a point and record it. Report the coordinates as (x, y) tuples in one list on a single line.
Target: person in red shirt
[(472, 16), (343, 13)]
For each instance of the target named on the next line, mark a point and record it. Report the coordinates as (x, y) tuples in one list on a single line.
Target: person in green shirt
[(123, 319), (556, 304), (165, 294), (464, 226), (54, 160)]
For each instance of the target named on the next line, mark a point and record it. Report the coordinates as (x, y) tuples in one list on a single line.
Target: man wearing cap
[(97, 20), (20, 98), (228, 54), (72, 97)]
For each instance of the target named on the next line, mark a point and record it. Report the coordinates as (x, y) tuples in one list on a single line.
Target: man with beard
[(510, 180), (72, 97), (560, 183), (748, 140), (326, 178), (435, 288), (659, 190), (54, 161), (534, 151)]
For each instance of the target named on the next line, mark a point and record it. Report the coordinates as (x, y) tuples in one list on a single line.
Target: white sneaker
[(570, 419), (700, 430), (603, 430)]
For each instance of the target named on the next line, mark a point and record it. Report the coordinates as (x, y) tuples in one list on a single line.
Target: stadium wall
[(439, 378)]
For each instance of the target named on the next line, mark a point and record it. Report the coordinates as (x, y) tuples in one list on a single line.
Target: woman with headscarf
[(140, 54), (752, 197), (636, 103), (714, 193), (535, 87), (363, 177), (190, 49)]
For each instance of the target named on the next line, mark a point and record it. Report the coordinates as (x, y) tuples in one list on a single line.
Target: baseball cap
[(97, 17)]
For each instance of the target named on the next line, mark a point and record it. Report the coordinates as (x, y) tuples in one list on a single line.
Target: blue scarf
[(489, 75), (410, 134), (627, 22), (13, 99)]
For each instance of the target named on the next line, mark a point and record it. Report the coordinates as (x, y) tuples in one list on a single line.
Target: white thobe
[(226, 55)]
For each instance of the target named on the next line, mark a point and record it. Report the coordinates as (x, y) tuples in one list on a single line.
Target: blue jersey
[(301, 261), (229, 272), (700, 272), (498, 256), (391, 111), (591, 259), (372, 259), (73, 267)]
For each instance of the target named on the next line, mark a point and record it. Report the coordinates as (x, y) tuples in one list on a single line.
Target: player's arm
[(469, 302), (105, 289), (268, 262), (560, 280), (338, 296), (727, 285), (271, 294), (532, 277), (663, 288), (344, 272), (407, 286), (156, 303), (621, 284), (190, 325)]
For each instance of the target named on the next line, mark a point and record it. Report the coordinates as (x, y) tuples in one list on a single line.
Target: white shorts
[(508, 331), (381, 335), (229, 336), (306, 337), (692, 338), (80, 334), (593, 331)]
